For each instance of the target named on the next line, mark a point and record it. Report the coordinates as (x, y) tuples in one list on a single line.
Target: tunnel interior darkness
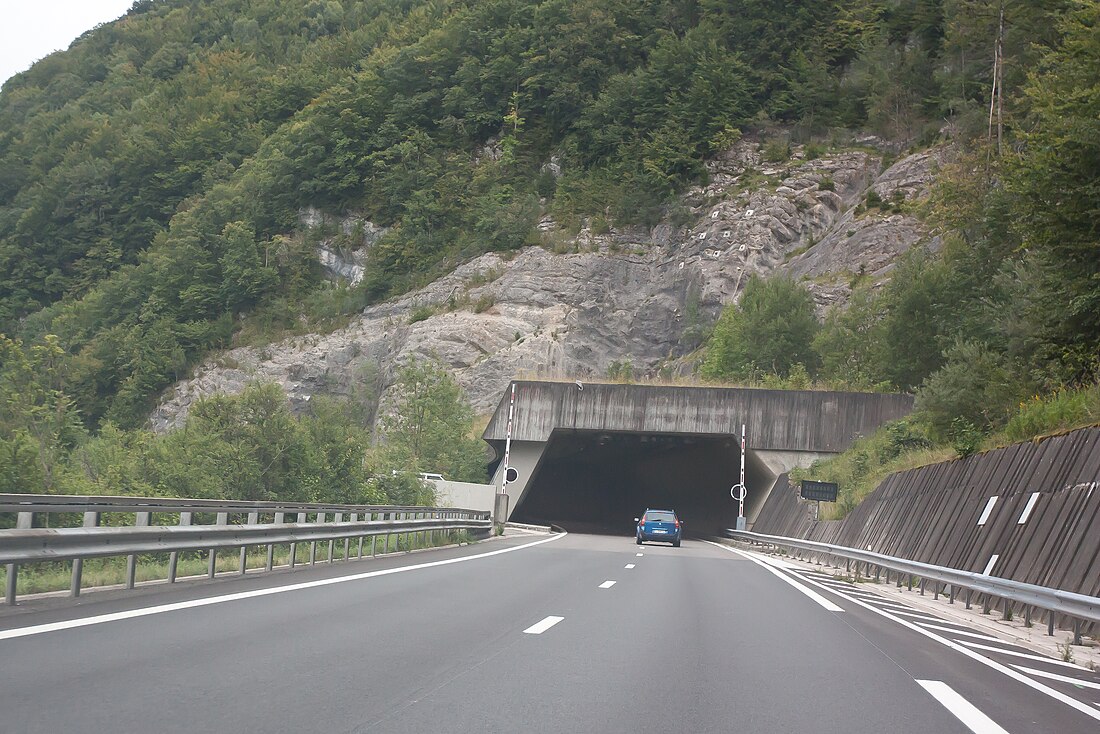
[(596, 481)]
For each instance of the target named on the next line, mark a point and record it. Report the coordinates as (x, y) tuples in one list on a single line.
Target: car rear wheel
[(675, 544), (639, 539)]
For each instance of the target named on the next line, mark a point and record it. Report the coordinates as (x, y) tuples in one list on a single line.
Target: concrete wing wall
[(799, 420)]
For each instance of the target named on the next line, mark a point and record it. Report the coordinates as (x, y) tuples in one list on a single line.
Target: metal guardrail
[(1056, 601), (28, 544)]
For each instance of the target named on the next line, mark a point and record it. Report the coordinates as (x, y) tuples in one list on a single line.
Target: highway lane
[(689, 639)]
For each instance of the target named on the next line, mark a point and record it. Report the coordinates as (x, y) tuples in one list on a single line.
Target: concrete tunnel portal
[(592, 457)]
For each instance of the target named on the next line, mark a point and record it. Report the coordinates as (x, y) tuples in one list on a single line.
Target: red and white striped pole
[(508, 442), (744, 489)]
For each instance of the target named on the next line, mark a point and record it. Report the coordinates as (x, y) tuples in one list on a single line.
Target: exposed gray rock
[(623, 295)]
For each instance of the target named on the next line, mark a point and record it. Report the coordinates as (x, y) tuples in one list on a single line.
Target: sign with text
[(818, 491)]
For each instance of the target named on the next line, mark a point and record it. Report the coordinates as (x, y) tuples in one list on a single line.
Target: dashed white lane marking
[(539, 627), (978, 657), (787, 579), (639, 555), (1055, 676), (629, 565), (607, 584), (1018, 654), (39, 629), (963, 710), (964, 633)]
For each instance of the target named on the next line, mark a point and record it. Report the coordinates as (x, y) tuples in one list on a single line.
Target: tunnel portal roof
[(777, 420)]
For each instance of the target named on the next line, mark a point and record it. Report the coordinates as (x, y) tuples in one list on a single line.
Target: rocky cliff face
[(631, 295)]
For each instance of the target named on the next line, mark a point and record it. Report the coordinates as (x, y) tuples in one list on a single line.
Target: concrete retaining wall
[(932, 514), (464, 495)]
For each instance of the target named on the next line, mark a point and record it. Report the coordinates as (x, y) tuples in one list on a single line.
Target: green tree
[(769, 330), (38, 421), (1056, 184), (428, 426)]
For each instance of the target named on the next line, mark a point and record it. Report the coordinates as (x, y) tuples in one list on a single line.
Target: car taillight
[(677, 523)]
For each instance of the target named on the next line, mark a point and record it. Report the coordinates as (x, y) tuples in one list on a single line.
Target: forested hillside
[(152, 176)]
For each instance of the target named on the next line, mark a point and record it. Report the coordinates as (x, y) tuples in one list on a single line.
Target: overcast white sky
[(31, 29)]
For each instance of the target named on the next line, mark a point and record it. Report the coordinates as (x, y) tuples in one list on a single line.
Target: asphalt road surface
[(567, 633)]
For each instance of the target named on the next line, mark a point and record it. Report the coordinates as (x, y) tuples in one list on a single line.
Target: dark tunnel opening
[(591, 481)]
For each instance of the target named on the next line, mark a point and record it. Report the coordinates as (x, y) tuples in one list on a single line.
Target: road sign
[(510, 474), (818, 491), (739, 492)]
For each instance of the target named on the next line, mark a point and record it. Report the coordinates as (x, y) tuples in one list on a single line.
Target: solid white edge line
[(1060, 678), (629, 565), (607, 584), (1026, 655), (39, 629), (539, 627), (1004, 669), (808, 592), (962, 709)]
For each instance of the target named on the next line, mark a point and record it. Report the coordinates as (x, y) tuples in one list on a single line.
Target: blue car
[(662, 525)]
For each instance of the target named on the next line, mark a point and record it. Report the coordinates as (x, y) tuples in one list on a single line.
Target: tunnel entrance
[(595, 481)]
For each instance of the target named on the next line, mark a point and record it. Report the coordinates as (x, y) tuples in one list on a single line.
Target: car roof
[(654, 509)]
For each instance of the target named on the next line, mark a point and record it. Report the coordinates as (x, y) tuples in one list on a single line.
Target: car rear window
[(659, 517)]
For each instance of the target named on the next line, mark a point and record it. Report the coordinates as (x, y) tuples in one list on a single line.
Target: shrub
[(421, 313), (484, 303), (776, 151), (966, 438)]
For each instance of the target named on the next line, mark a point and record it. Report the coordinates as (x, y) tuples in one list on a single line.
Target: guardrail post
[(986, 604), (909, 581), (1076, 632), (347, 543), (91, 520), (141, 520), (279, 519), (294, 546), (253, 519), (23, 521), (1050, 624), (313, 543), (951, 599), (336, 517), (968, 593), (212, 567), (1027, 616), (373, 541), (922, 587), (174, 556)]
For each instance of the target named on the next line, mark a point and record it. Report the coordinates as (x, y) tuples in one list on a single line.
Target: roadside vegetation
[(249, 446)]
